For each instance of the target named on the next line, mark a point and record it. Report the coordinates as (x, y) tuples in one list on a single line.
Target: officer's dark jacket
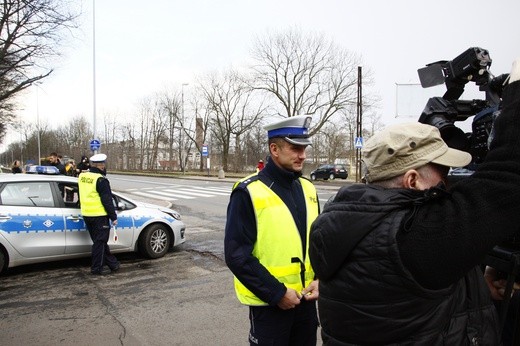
[(367, 296)]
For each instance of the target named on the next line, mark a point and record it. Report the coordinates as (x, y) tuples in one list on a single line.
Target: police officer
[(98, 213), (266, 241)]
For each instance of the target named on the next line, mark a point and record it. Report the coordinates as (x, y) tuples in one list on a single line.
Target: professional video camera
[(442, 112)]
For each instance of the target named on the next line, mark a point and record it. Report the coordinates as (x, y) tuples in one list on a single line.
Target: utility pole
[(359, 124), (38, 126), (94, 70)]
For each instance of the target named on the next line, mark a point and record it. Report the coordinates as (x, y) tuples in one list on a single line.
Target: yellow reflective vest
[(278, 245), (88, 196)]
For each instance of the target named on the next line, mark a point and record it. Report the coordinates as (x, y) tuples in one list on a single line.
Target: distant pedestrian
[(260, 166), (55, 161), (83, 165), (15, 168), (99, 214), (70, 168)]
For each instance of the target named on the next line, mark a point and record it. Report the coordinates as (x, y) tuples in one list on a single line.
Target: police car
[(40, 221)]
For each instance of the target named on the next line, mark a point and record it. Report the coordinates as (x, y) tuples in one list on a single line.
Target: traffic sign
[(205, 150), (358, 143), (95, 144)]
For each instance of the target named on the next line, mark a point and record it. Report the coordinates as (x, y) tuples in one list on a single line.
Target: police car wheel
[(155, 241)]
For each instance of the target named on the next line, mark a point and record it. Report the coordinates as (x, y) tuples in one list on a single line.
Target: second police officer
[(98, 211)]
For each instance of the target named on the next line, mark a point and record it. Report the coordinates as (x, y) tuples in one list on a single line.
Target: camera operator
[(398, 258)]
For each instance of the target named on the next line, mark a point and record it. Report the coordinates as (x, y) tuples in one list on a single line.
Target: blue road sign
[(205, 150), (358, 143), (95, 144)]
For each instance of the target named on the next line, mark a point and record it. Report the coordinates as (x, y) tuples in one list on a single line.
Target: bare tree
[(255, 144), (349, 119), (333, 142), (129, 142), (171, 104), (109, 141), (196, 128), (30, 32), (151, 128), (179, 128), (373, 123), (76, 135), (158, 131), (234, 110), (306, 74)]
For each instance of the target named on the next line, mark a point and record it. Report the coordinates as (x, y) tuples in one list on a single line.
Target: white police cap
[(294, 130), (98, 158)]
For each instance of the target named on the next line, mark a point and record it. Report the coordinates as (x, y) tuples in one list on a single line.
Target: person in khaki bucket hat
[(399, 148), (399, 259)]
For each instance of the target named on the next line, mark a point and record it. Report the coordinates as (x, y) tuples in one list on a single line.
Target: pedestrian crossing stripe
[(154, 196), (184, 192), (214, 191), (174, 194)]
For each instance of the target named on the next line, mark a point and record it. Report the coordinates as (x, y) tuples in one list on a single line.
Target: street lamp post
[(182, 129), (94, 70), (38, 126)]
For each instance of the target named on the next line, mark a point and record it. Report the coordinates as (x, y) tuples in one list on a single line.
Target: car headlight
[(172, 213)]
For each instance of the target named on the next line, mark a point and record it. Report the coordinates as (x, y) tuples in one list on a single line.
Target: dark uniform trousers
[(274, 326), (99, 229)]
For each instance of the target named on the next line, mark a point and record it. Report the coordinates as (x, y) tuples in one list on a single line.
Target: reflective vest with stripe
[(88, 196), (278, 245)]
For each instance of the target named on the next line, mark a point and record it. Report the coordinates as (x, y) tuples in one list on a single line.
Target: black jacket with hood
[(401, 266)]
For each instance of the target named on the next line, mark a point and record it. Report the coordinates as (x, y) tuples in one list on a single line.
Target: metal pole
[(21, 143), (94, 67), (359, 124), (38, 126)]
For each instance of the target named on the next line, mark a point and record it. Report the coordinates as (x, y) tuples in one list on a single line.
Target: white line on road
[(176, 195), (189, 193), (214, 190), (154, 196)]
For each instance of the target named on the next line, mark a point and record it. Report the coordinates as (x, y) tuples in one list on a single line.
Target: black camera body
[(442, 112)]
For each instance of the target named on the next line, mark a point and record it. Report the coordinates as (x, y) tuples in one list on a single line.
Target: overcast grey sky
[(142, 47)]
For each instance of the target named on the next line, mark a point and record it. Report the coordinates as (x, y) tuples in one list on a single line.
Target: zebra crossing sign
[(358, 142)]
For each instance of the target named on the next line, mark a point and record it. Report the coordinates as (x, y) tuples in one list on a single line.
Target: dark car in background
[(329, 171)]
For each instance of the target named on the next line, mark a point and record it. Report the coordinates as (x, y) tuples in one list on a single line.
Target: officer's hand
[(312, 291), (114, 223), (289, 300)]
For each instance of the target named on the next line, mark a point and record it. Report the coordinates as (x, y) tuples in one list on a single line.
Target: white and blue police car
[(40, 221)]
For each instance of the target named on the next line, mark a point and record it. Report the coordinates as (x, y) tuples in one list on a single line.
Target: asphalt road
[(184, 298)]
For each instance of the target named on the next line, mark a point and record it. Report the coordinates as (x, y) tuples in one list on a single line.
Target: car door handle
[(5, 218), (74, 218)]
